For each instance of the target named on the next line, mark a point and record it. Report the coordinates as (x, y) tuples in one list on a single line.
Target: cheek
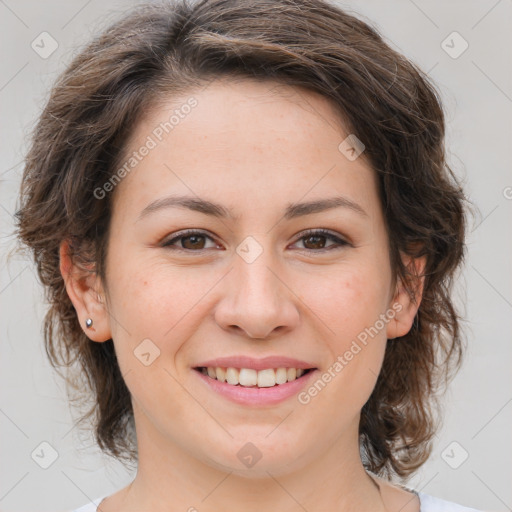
[(151, 297), (150, 320), (156, 303), (346, 302), (350, 306)]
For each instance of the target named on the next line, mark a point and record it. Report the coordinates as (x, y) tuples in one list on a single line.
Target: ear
[(402, 303), (85, 290)]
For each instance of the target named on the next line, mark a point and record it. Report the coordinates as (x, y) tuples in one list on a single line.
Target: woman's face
[(249, 282)]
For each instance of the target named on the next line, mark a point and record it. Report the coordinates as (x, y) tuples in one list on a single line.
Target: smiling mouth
[(247, 377)]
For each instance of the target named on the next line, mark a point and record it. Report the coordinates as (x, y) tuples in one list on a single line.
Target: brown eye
[(316, 241), (193, 241)]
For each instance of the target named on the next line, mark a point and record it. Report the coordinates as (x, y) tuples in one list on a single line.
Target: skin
[(254, 147)]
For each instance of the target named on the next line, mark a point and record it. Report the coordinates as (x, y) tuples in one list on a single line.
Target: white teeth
[(221, 374), (249, 377), (266, 378), (281, 376), (232, 375)]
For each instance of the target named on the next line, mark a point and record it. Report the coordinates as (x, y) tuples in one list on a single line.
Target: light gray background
[(477, 93)]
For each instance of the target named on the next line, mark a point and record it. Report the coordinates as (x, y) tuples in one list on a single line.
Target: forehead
[(234, 139)]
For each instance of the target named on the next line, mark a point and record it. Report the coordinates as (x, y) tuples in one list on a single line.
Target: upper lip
[(255, 363)]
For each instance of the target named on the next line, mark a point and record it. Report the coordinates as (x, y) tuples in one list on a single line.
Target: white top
[(427, 504)]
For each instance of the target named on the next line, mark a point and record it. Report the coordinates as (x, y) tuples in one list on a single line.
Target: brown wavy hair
[(161, 49)]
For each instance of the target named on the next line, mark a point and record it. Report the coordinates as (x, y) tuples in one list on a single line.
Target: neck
[(170, 478)]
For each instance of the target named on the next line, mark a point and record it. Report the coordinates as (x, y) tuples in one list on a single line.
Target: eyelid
[(183, 234), (339, 239)]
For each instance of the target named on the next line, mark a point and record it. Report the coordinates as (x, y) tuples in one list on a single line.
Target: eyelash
[(314, 232)]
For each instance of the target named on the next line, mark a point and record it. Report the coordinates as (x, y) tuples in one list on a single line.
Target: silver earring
[(88, 322)]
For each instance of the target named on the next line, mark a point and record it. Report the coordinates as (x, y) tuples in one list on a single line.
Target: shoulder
[(432, 504), (92, 506)]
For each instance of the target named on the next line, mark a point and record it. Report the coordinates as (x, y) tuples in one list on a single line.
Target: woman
[(243, 216)]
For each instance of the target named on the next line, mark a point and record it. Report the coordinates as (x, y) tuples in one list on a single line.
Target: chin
[(256, 459)]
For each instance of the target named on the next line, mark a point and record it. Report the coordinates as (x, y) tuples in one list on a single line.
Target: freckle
[(145, 283)]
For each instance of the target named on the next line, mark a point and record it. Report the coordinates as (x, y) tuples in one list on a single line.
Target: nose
[(257, 300)]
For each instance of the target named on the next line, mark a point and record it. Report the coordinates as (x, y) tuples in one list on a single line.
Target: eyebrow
[(292, 211)]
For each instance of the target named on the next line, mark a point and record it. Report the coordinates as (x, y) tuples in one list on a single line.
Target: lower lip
[(257, 396)]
